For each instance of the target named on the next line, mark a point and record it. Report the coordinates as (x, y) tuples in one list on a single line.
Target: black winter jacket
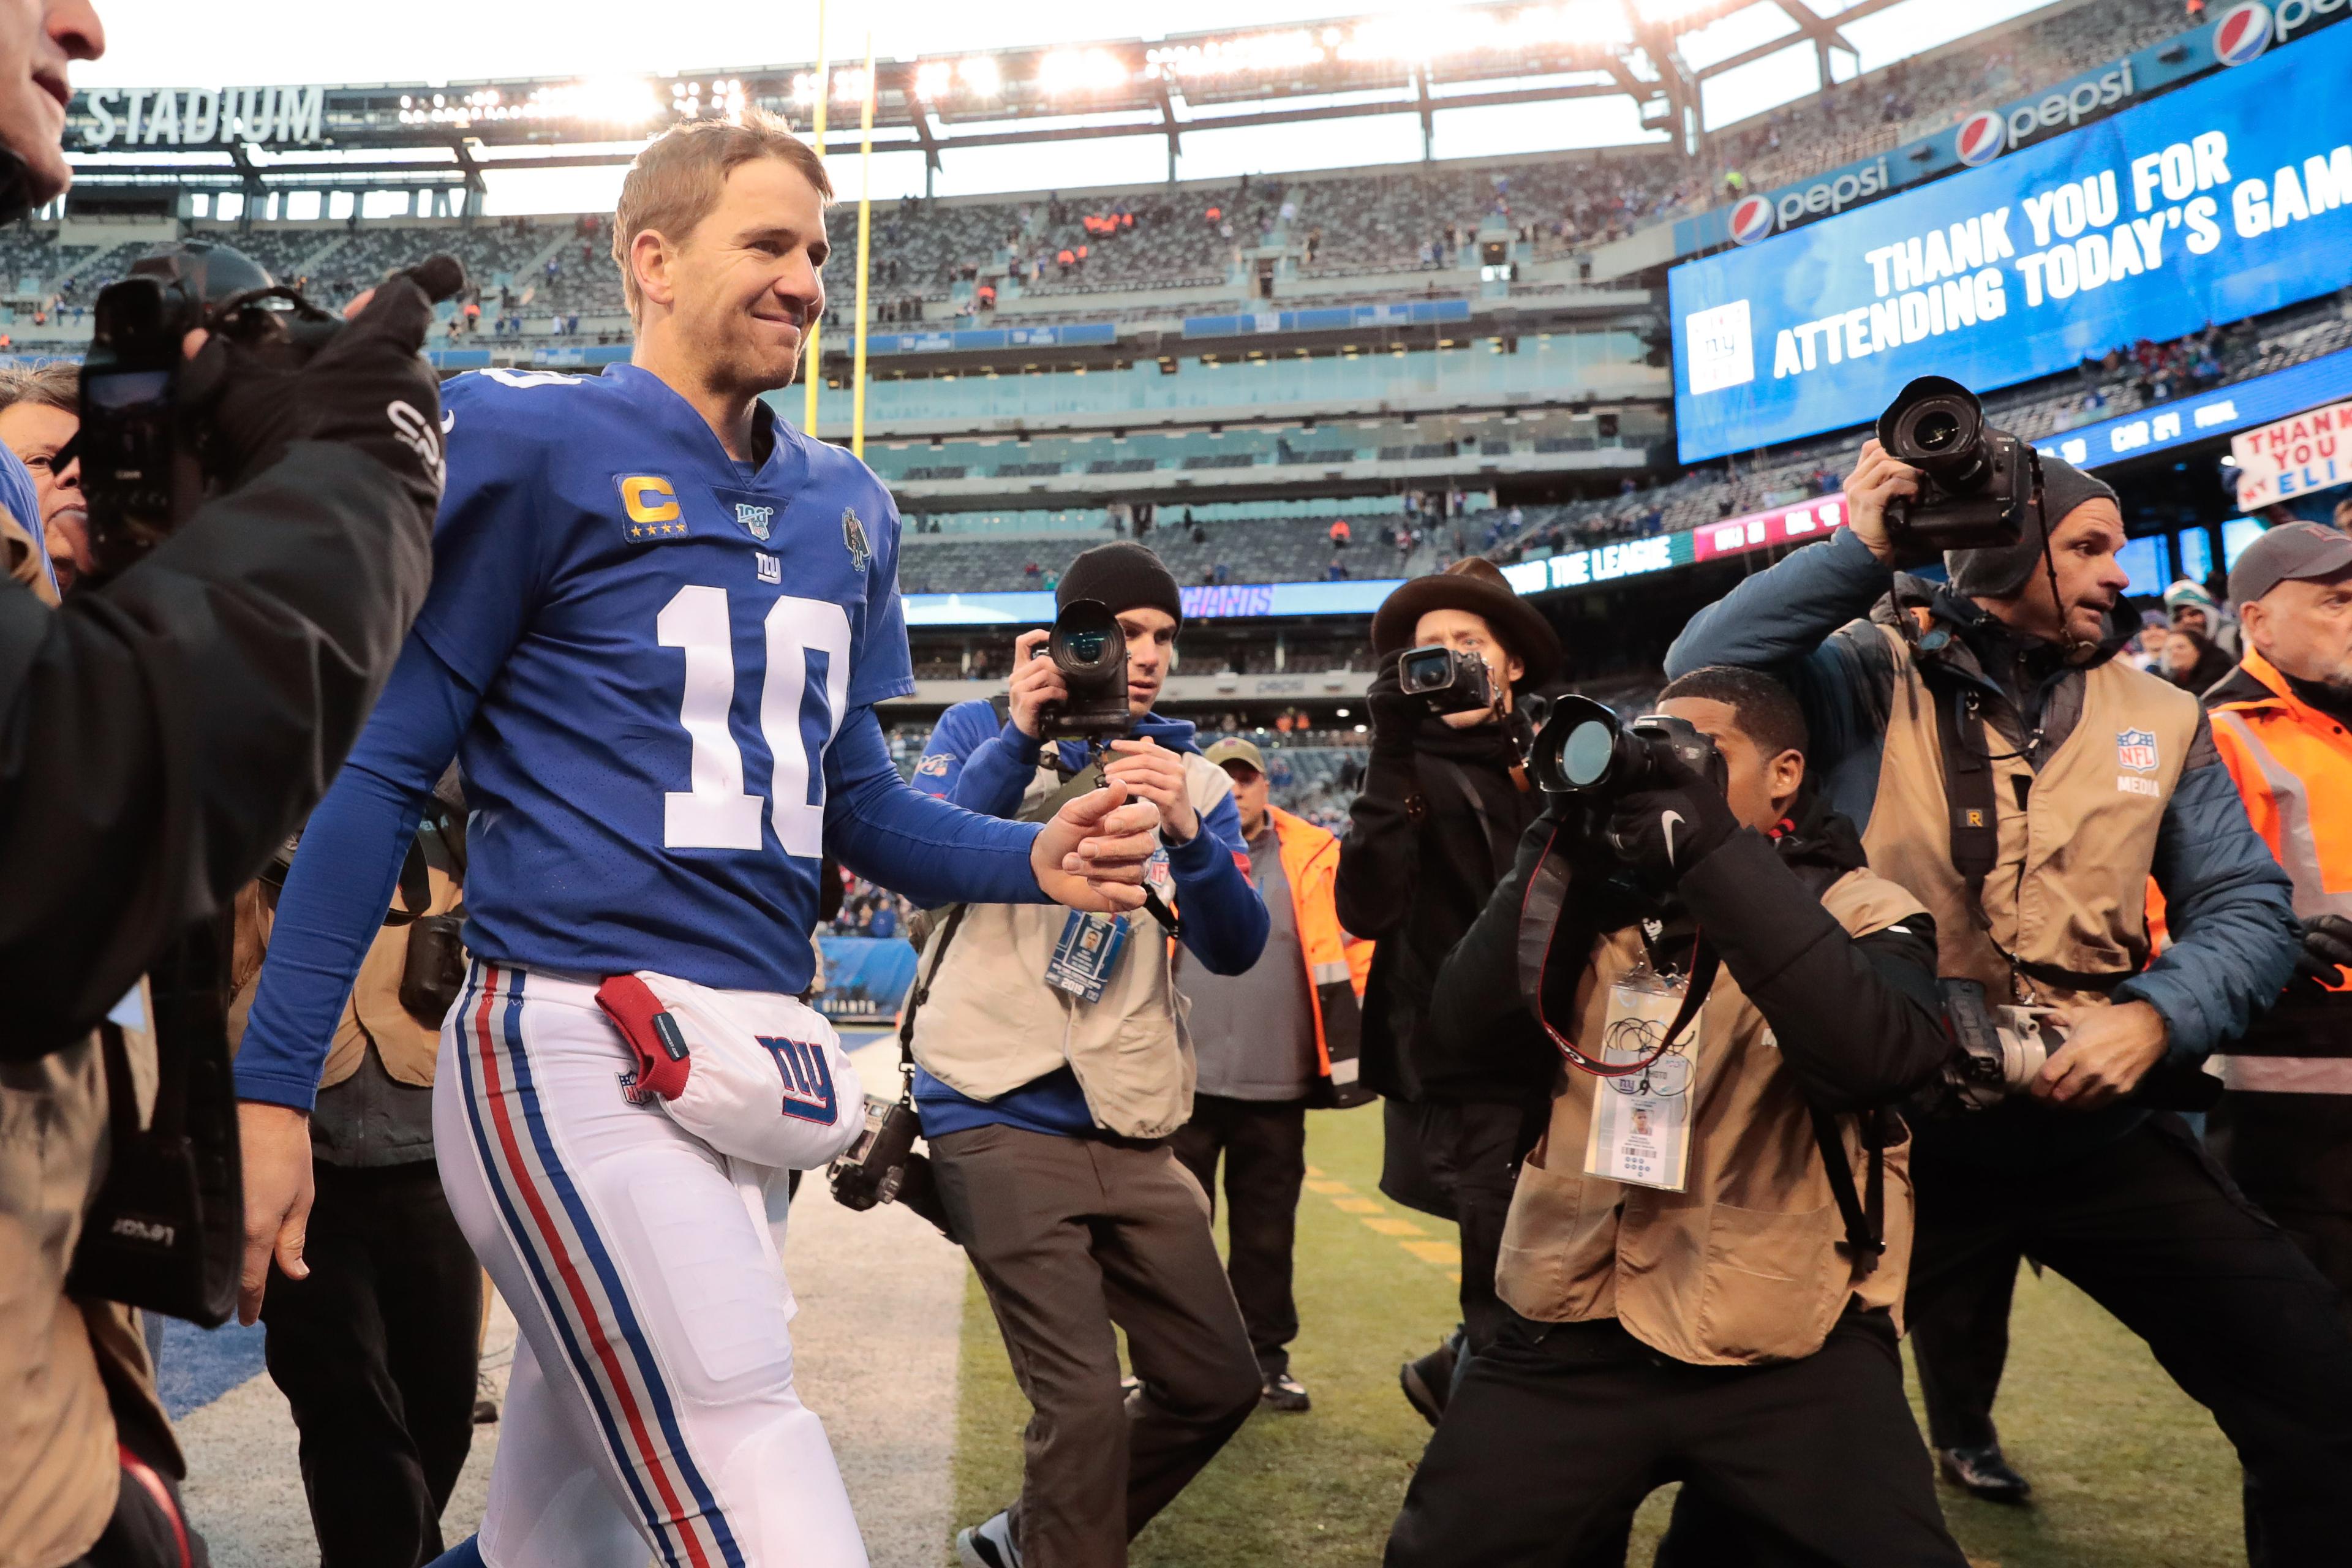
[(1415, 868), (160, 736), (1857, 1019)]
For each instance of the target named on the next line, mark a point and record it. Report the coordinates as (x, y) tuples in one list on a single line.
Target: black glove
[(369, 387), (2326, 946), (1663, 831), (1396, 717)]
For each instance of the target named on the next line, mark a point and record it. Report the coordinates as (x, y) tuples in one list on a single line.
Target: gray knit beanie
[(1999, 569)]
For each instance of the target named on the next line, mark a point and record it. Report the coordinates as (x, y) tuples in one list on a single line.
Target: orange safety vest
[(2293, 765), (1338, 963)]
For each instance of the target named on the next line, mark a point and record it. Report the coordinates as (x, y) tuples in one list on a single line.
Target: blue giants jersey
[(666, 643)]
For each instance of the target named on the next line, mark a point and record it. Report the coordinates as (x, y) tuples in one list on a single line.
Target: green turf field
[(2129, 1473)]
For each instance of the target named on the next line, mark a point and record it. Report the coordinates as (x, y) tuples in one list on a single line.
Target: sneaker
[(486, 1400), (988, 1545), (1427, 1381), (1283, 1392), (1983, 1473)]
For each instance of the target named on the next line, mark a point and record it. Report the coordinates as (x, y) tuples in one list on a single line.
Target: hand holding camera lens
[(1675, 820), (1876, 480), (1035, 683), (1396, 716), (367, 387), (2108, 1051)]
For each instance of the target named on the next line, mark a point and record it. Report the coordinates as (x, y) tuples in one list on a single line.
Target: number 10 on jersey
[(715, 812)]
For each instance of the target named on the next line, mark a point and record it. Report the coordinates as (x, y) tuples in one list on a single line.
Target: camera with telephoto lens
[(882, 1167), (1587, 752), (1449, 679), (1976, 484), (1089, 649), (146, 461)]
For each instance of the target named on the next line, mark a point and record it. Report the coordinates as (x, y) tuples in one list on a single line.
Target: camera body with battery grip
[(1586, 755), (1977, 483), (1089, 651), (883, 1165), (150, 450), (1449, 679)]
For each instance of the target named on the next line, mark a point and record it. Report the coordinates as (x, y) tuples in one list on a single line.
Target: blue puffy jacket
[(2229, 904)]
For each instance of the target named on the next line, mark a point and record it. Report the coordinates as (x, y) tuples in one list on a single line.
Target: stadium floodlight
[(933, 79), (805, 87), (1080, 70), (981, 75), (849, 85)]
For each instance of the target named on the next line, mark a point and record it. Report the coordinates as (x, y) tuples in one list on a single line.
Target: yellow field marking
[(1329, 1188), (1377, 1217), (1356, 1206), (1444, 1253), (1392, 1227)]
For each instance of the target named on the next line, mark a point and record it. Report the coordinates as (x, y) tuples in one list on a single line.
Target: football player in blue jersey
[(659, 620)]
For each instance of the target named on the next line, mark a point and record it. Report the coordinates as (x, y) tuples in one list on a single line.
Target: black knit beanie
[(1123, 576), (1998, 571)]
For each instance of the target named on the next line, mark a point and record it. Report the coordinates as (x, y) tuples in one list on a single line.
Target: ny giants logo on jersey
[(758, 519), (809, 1094), (853, 536)]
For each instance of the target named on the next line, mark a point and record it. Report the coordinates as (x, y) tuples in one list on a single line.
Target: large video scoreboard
[(2220, 201)]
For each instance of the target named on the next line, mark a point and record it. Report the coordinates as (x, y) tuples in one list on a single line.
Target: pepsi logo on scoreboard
[(1751, 220), (1982, 137), (2243, 33)]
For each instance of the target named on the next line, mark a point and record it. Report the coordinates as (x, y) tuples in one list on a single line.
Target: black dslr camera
[(1976, 484), (1451, 679), (147, 460), (882, 1167), (1588, 754), (1089, 649)]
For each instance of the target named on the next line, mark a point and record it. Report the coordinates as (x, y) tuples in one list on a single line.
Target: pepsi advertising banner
[(2217, 201)]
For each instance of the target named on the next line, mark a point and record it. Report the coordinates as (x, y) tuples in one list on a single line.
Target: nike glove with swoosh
[(1663, 831)]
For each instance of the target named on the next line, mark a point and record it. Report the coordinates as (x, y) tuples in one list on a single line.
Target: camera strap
[(1540, 913), (1864, 1211), (1969, 791)]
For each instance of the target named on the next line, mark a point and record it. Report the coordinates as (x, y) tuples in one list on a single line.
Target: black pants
[(376, 1353), (1558, 1431), (1071, 1236), (2291, 1154), (2150, 1229), (1457, 1159), (1264, 1142)]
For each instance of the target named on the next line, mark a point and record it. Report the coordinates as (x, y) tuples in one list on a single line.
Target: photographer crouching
[(1702, 1273), (1052, 1066), (2024, 784), (1445, 798)]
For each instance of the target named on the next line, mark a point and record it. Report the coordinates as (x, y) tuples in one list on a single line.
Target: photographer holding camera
[(1702, 1273), (1445, 798), (172, 721), (2024, 784), (1053, 1065)]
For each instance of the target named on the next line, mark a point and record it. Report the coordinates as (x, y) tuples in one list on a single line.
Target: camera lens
[(1584, 755), (1936, 431), (1423, 669), (1085, 647)]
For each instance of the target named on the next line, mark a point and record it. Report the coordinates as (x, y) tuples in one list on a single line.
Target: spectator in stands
[(39, 412), (2191, 662), (1340, 534), (1272, 1042), (1444, 804), (2196, 610), (1336, 572)]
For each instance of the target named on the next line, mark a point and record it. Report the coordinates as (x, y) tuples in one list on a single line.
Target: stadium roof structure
[(402, 135)]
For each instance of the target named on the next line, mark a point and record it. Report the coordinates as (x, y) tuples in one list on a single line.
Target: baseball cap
[(2290, 551), (1233, 749)]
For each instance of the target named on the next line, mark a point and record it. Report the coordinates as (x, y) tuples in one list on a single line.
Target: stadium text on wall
[(172, 117)]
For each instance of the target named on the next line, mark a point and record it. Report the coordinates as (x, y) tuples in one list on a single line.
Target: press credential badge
[(1086, 954), (1641, 1122)]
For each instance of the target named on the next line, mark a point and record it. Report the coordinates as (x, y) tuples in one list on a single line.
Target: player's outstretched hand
[(1092, 855)]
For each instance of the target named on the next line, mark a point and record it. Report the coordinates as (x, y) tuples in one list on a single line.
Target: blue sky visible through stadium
[(157, 43)]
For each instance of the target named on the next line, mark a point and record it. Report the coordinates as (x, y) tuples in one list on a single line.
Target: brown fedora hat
[(1475, 585)]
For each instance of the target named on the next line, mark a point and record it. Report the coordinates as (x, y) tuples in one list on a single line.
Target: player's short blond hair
[(678, 179)]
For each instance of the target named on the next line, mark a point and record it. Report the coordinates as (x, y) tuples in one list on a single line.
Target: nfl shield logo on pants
[(2136, 749)]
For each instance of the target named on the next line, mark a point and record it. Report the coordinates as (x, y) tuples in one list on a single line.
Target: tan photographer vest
[(1747, 1264), (990, 1023), (2068, 892)]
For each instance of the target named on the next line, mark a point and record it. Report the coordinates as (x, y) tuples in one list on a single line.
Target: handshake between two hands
[(1093, 853)]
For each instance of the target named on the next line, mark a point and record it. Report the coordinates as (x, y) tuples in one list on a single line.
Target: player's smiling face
[(747, 283)]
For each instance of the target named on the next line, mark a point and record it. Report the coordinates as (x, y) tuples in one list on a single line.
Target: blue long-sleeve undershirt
[(342, 880)]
